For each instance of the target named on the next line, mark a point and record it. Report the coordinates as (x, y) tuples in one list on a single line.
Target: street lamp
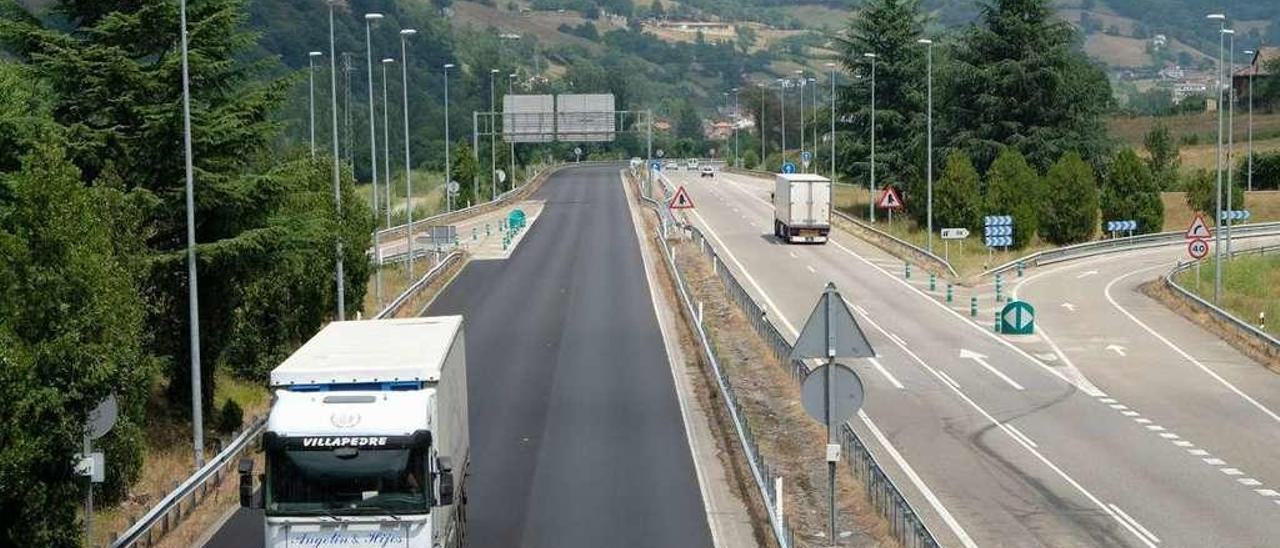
[(447, 171), (311, 93), (386, 142), (339, 277), (1231, 127), (782, 107), (737, 117), (813, 105), (872, 203), (369, 18), (405, 34), (1217, 234), (493, 151), (800, 82), (928, 163), (832, 66), (1252, 69), (193, 301), (511, 80), (764, 88)]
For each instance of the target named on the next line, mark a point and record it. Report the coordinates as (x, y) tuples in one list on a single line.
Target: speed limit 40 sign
[(1198, 248)]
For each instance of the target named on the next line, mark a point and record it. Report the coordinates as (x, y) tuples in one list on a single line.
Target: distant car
[(671, 164), (707, 171), (693, 165)]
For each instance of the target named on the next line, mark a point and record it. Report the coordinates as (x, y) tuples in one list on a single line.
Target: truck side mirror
[(246, 482), (445, 465)]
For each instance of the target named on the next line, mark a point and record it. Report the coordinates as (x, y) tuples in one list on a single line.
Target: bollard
[(995, 324), (933, 282), (949, 295), (999, 287), (486, 229), (906, 270), (973, 307), (474, 231), (1019, 269), (1262, 320)]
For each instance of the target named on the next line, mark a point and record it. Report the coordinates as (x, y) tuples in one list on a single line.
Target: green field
[(1250, 285)]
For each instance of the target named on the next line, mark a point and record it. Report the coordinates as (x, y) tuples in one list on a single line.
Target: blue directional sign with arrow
[(1235, 215), (1121, 226), (788, 167), (998, 230), (655, 165)]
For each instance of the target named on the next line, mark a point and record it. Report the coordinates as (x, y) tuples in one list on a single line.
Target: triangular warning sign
[(889, 199), (1198, 228), (680, 200), (831, 331)]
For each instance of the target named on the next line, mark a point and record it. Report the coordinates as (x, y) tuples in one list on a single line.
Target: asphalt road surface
[(577, 438), (993, 444)]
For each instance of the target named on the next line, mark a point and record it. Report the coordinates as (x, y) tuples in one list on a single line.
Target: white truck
[(801, 207), (367, 442)]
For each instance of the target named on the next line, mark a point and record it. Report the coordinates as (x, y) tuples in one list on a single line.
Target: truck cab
[(366, 443)]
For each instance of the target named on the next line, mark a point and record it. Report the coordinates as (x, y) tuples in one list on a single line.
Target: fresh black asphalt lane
[(577, 438)]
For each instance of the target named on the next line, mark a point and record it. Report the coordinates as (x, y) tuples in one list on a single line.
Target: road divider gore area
[(747, 357)]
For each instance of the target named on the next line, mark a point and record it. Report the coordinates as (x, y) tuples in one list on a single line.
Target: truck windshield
[(316, 481)]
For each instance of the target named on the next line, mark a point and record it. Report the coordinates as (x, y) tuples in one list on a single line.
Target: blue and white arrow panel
[(998, 230), (1121, 226), (1235, 215)]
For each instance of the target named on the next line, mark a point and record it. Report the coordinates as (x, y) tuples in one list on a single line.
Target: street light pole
[(1231, 128), (493, 151), (800, 81), (813, 105), (339, 276), (511, 79), (447, 167), (1217, 233), (193, 295), (832, 66), (369, 18), (929, 137), (737, 117), (386, 143), (408, 165), (1252, 69), (782, 106), (764, 88), (311, 94), (872, 202)]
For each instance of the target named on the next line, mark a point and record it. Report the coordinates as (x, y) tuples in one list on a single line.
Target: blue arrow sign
[(656, 165), (1235, 215), (1121, 226), (788, 167), (805, 156), (999, 241), (997, 220), (997, 230)]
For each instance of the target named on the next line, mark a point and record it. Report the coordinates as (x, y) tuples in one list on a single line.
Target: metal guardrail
[(918, 252), (395, 305), (178, 504), (1263, 338), (904, 522), (1102, 247)]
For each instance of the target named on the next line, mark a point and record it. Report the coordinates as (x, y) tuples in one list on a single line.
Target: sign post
[(805, 158), (681, 200), (998, 232), (949, 234), (1018, 318), (831, 393), (91, 464), (889, 200)]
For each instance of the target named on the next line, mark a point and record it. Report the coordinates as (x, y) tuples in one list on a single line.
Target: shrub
[(230, 417), (957, 195), (1014, 188), (1130, 192), (1071, 211)]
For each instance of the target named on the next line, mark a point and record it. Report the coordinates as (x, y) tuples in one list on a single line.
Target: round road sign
[(1198, 248), (846, 394), (659, 153), (452, 187)]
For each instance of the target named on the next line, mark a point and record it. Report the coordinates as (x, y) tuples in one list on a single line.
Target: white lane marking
[(1169, 436), (811, 269), (949, 380), (1214, 461), (1188, 357), (1130, 413), (862, 415), (1019, 433), (1119, 406), (1086, 274), (1147, 534), (879, 367), (1107, 400), (1249, 482), (860, 310), (1141, 420), (897, 339), (1231, 471), (792, 254), (1267, 492), (1155, 428), (1198, 452), (1184, 443), (982, 360)]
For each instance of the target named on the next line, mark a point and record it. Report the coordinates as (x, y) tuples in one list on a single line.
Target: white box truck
[(367, 442), (801, 207)]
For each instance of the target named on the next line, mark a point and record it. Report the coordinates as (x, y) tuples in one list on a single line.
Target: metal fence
[(904, 523), (178, 504), (1264, 340), (394, 307)]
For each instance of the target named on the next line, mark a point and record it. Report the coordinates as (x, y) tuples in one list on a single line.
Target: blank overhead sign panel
[(585, 117), (528, 118)]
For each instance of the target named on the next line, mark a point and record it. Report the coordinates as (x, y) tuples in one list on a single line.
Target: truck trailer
[(367, 440), (801, 207)]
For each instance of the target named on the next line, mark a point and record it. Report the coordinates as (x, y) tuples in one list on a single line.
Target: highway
[(577, 435), (993, 444)]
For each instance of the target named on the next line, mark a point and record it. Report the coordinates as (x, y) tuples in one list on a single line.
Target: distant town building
[(1257, 68), (1175, 72), (1159, 41)]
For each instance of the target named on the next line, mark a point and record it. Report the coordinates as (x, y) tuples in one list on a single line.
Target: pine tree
[(957, 195), (1130, 193), (1162, 155), (889, 29), (465, 170), (1071, 211), (1014, 188), (1018, 79)]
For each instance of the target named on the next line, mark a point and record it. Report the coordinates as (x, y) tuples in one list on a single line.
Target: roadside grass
[(428, 195), (1263, 206), (395, 279), (1204, 156), (1131, 130), (1250, 286)]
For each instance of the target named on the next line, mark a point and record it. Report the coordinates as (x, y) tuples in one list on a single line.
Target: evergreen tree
[(1014, 188), (1130, 193), (1018, 79), (1071, 211), (1199, 188), (465, 171), (1162, 155), (688, 123), (889, 29), (957, 195)]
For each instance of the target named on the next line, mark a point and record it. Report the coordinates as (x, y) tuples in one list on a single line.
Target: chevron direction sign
[(1235, 215), (1121, 226), (997, 230), (999, 241)]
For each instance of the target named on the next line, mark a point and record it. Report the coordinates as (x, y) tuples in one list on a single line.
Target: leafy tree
[(1014, 188), (466, 172), (688, 123), (1200, 186), (1130, 193), (1018, 79), (1070, 214), (889, 29), (1266, 171), (1162, 155), (71, 334), (957, 195)]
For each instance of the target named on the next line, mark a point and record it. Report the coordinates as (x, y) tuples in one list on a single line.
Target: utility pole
[(928, 164), (760, 130), (782, 106), (369, 18), (832, 66), (193, 295), (311, 94), (1253, 68), (737, 117), (340, 277), (872, 202), (386, 141), (1217, 233), (800, 81), (511, 79), (1231, 130), (346, 108), (493, 134), (447, 171), (405, 34)]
